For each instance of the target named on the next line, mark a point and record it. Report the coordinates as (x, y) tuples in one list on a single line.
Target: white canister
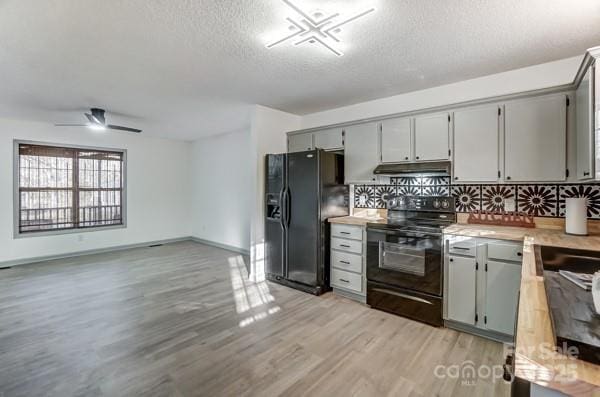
[(576, 216)]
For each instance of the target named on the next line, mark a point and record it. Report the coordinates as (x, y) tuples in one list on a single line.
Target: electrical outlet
[(510, 205)]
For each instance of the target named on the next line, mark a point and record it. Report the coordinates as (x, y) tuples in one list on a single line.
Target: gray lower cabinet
[(462, 281), (481, 285), (502, 281), (348, 261)]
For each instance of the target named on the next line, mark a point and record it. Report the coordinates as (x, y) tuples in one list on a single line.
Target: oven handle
[(414, 298), (405, 233)]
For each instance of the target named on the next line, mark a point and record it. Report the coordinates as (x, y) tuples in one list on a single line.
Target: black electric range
[(405, 257)]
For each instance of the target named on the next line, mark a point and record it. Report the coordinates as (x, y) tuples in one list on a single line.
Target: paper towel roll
[(576, 215)]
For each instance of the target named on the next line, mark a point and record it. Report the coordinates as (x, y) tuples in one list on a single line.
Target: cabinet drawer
[(354, 246), (346, 261), (346, 280), (505, 251), (347, 231), (466, 246)]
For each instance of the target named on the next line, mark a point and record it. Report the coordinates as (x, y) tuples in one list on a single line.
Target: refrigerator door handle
[(281, 209), (287, 207)]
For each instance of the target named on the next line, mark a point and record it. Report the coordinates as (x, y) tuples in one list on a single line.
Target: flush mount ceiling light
[(316, 28)]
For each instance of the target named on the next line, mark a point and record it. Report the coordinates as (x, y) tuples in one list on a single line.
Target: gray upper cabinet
[(361, 153), (432, 137), (476, 137), (332, 139), (300, 142), (396, 140), (584, 111), (535, 139)]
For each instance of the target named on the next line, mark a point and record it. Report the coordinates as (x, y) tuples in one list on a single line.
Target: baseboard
[(498, 337), (350, 295), (223, 246), (37, 259)]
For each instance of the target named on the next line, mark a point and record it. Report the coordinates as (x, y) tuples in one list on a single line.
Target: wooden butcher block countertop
[(534, 359)]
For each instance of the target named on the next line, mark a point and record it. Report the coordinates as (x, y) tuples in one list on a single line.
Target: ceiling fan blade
[(90, 118), (120, 128), (98, 115), (71, 125)]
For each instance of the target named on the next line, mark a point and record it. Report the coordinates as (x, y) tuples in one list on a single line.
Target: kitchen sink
[(575, 260), (574, 320)]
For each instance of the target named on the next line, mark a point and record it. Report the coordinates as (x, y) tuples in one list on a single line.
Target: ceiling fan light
[(97, 127)]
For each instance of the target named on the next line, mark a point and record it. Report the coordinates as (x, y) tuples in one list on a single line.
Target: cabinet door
[(360, 153), (395, 140), (503, 280), (432, 137), (329, 139), (535, 139), (300, 142), (476, 133), (584, 110), (462, 293)]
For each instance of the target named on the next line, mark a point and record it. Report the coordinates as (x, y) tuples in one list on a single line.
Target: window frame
[(17, 200)]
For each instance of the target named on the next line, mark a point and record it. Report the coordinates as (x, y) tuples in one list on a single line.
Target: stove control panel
[(422, 203)]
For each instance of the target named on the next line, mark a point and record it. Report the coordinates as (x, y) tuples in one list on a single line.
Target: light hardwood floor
[(183, 320)]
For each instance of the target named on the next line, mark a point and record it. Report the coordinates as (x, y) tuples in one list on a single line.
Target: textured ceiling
[(189, 68)]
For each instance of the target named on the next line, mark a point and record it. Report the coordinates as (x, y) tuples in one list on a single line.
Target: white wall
[(221, 189), (163, 204), (514, 81), (158, 192), (267, 137)]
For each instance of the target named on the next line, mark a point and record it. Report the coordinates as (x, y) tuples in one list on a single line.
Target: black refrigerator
[(303, 190)]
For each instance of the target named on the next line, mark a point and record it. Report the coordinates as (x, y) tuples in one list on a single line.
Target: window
[(64, 188)]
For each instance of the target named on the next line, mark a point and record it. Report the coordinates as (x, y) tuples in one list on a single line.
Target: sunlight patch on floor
[(249, 295)]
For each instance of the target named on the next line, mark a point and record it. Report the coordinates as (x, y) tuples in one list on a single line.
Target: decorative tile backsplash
[(546, 200)]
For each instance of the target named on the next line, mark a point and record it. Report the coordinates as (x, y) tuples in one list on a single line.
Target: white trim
[(37, 259), (16, 199), (227, 247)]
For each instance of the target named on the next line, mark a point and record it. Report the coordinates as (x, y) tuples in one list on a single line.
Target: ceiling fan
[(97, 121)]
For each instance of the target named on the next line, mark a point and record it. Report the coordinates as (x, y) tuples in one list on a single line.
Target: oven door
[(406, 259)]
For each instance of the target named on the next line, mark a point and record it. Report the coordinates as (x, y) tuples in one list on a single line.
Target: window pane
[(48, 186), (100, 188)]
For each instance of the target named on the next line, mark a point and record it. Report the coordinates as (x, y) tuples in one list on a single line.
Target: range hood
[(433, 167)]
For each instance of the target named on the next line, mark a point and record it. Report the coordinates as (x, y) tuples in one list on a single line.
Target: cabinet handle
[(406, 158), (456, 178), (417, 157), (344, 281), (451, 260), (346, 262), (344, 245), (519, 254), (461, 248), (344, 232), (508, 178), (586, 173)]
